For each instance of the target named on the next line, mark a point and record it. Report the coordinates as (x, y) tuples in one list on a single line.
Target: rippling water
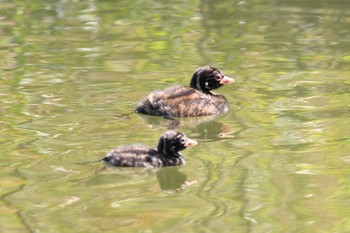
[(73, 71)]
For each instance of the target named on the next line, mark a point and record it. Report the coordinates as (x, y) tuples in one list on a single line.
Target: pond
[(72, 73)]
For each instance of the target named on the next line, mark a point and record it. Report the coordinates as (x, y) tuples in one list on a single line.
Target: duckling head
[(171, 142), (208, 78)]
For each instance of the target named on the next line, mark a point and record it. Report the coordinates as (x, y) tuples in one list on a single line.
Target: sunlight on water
[(72, 73)]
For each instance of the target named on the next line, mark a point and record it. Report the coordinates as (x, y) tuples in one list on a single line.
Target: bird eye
[(218, 77), (182, 140)]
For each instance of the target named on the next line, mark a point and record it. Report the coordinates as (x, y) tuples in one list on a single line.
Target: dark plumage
[(167, 153), (195, 100)]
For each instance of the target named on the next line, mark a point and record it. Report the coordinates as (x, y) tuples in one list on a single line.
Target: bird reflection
[(171, 179), (204, 128)]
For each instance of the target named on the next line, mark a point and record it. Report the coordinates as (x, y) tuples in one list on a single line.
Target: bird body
[(183, 101), (138, 155), (133, 156)]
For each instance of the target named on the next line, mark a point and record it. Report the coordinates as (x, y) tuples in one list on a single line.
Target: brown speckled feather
[(166, 154), (180, 101), (133, 156), (195, 100)]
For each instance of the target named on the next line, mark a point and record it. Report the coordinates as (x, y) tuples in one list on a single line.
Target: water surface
[(73, 71)]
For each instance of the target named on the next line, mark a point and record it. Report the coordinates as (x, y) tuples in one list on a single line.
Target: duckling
[(167, 153), (195, 100)]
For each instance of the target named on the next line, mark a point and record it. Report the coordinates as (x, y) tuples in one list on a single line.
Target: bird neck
[(200, 88), (198, 83), (173, 159), (163, 152)]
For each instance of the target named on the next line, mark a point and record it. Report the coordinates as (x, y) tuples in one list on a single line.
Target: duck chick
[(166, 154), (195, 100)]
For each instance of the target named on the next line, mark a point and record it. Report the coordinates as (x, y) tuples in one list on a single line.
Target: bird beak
[(190, 142), (226, 80)]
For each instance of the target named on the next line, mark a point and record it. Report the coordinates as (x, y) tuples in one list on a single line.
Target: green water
[(72, 71)]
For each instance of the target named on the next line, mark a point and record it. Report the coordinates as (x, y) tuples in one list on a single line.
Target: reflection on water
[(204, 128), (171, 179), (73, 71)]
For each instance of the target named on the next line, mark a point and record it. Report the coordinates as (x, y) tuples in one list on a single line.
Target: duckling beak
[(190, 142), (226, 80)]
